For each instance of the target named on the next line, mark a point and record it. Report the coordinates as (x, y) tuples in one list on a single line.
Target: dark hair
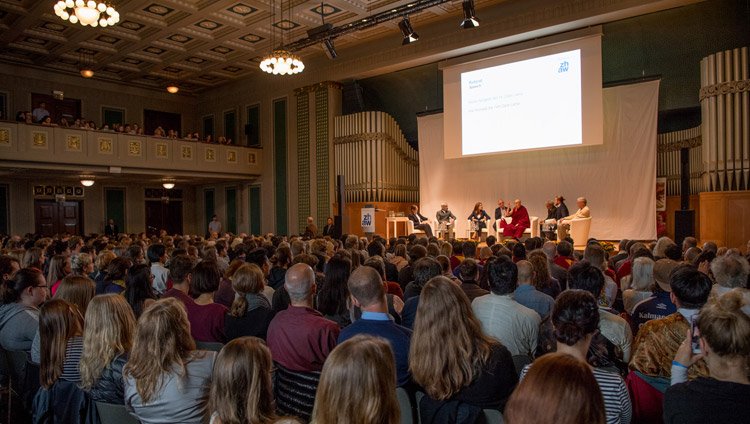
[(585, 276), (377, 264), (673, 252), (468, 269), (180, 267), (138, 288), (706, 255), (690, 286), (10, 290), (491, 240), (334, 294), (155, 253), (503, 276), (575, 314), (257, 256), (469, 249), (424, 269), (643, 253), (282, 257), (206, 277), (118, 268), (519, 251), (417, 252), (6, 265), (134, 251), (564, 248)]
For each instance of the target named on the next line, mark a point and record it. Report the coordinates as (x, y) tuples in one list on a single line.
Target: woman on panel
[(479, 219)]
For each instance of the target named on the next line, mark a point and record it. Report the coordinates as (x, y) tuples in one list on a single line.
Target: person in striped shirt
[(575, 318)]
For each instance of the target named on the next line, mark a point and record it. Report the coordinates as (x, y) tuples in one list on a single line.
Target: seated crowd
[(41, 116), (190, 329)]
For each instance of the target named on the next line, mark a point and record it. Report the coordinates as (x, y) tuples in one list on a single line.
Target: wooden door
[(163, 216), (52, 217), (168, 121)]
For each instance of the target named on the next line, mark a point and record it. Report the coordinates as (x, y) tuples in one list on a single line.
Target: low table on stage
[(395, 220)]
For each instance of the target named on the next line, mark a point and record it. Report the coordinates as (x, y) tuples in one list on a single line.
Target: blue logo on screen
[(367, 220), (563, 67)]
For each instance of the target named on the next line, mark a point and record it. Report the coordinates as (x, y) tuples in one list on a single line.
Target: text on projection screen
[(530, 104)]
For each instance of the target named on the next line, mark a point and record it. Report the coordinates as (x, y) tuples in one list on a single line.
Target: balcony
[(46, 147)]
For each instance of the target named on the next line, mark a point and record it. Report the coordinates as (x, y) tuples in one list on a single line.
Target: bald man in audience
[(691, 254), (367, 292), (689, 242), (299, 338), (710, 246), (558, 273)]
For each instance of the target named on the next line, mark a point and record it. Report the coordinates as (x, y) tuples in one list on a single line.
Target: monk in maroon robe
[(519, 221)]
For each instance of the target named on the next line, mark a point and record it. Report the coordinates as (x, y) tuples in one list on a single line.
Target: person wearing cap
[(660, 304), (444, 216)]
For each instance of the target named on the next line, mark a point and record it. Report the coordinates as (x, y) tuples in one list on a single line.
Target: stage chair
[(411, 230), (533, 231), (579, 232), (485, 230)]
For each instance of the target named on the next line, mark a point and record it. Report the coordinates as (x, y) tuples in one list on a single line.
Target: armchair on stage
[(579, 231), (410, 228), (470, 229), (533, 231)]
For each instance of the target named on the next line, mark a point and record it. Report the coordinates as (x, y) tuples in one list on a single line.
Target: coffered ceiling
[(198, 43)]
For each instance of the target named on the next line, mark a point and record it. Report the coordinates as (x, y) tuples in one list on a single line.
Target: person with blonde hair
[(107, 340), (641, 280), (450, 356), (723, 333), (358, 384), (250, 313), (241, 390), (82, 264), (558, 389), (400, 258), (165, 378), (102, 263)]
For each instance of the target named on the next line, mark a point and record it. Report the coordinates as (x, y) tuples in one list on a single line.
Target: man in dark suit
[(500, 211), (420, 221), (329, 228), (111, 229)]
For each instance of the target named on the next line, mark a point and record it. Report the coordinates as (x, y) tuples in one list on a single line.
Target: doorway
[(53, 217), (67, 108), (167, 121), (163, 215)]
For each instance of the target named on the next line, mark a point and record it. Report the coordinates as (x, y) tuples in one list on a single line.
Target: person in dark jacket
[(281, 260), (250, 313), (107, 339), (469, 273)]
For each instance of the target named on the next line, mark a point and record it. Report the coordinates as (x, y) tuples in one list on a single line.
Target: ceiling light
[(168, 186), (282, 62), (409, 35), (87, 73), (173, 88), (87, 183), (87, 12), (470, 18)]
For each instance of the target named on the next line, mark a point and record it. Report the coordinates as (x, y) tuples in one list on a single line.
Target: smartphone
[(693, 336)]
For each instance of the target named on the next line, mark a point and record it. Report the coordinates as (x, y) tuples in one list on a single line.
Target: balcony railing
[(31, 143)]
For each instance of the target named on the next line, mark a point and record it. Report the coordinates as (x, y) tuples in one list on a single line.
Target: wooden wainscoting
[(725, 218)]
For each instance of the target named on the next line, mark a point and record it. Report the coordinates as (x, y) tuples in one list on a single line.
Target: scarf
[(255, 301)]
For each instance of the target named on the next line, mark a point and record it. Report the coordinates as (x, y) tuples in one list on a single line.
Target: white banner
[(367, 219)]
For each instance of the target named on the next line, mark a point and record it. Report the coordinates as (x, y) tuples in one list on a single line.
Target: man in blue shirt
[(367, 292), (527, 295), (660, 304)]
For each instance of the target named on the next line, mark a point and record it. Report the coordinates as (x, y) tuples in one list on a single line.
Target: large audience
[(262, 329)]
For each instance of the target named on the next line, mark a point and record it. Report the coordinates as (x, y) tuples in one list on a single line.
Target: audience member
[(333, 297), (59, 267), (724, 340), (564, 257), (165, 378), (107, 340), (501, 317), (556, 271), (250, 313), (116, 273), (206, 317), (82, 264), (400, 258), (730, 272), (543, 280), (281, 261), (102, 264), (61, 342), (450, 356), (139, 291), (368, 293), (638, 283), (527, 295), (558, 389), (657, 341), (356, 385), (299, 337), (157, 256), (423, 269), (659, 305), (468, 271), (20, 296)]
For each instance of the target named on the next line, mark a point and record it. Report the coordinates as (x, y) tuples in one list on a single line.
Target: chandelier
[(87, 12), (282, 62)]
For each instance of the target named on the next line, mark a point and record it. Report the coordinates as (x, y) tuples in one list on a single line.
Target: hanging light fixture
[(87, 182), (470, 18), (87, 12), (168, 186), (281, 61), (85, 64), (173, 88), (409, 35), (87, 73)]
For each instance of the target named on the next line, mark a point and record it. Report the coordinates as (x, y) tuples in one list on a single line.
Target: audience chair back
[(295, 391), (110, 413), (212, 346), (520, 361), (404, 403)]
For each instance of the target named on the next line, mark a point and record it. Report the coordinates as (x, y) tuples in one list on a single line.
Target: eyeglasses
[(41, 287)]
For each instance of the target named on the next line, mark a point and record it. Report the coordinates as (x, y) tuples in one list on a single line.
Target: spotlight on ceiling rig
[(409, 35), (470, 18)]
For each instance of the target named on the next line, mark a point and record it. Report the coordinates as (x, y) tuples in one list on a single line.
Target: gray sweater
[(18, 326)]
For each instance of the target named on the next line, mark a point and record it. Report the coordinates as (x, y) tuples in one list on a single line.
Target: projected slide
[(530, 104)]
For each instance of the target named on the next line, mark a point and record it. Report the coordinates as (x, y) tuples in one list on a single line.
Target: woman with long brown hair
[(165, 377), (107, 340), (34, 258), (479, 219), (450, 356), (543, 280), (241, 391), (59, 267), (558, 389), (60, 331), (358, 384), (250, 314)]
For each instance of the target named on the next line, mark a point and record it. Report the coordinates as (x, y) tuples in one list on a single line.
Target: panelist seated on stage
[(561, 209), (446, 217), (551, 213), (500, 211), (478, 218), (563, 225), (420, 221), (519, 221)]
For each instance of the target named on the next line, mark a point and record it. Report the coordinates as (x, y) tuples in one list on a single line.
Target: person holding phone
[(722, 331)]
